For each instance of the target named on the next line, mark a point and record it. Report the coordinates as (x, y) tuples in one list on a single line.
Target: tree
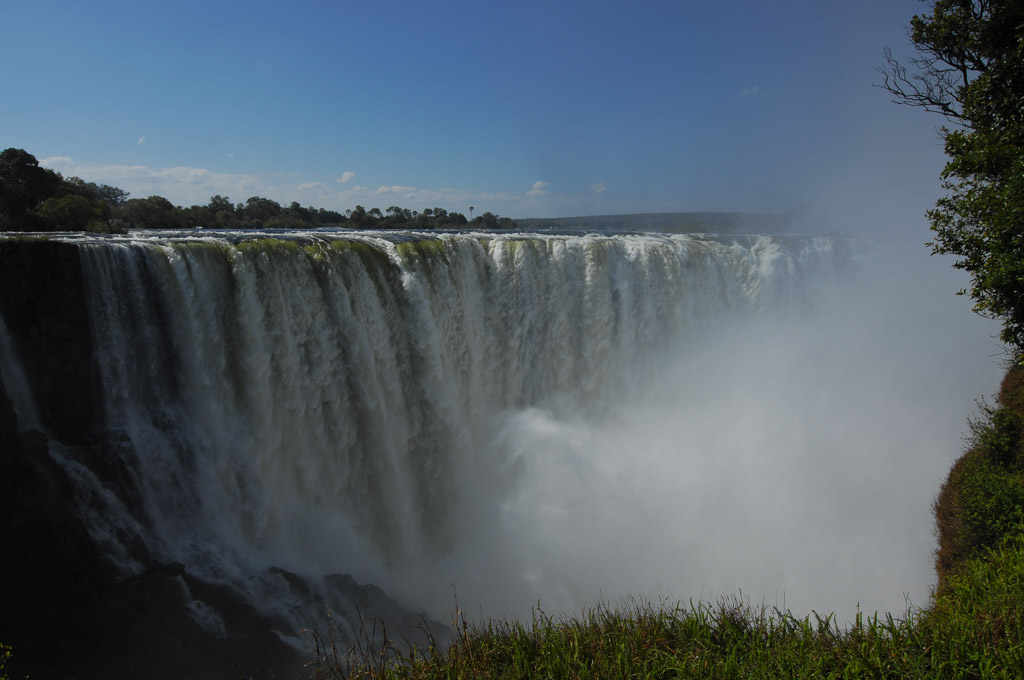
[(70, 213), (295, 210), (115, 196), (357, 216), (95, 193), (219, 204), (23, 186), (328, 217), (222, 212), (487, 221), (970, 69), (258, 210), (155, 212)]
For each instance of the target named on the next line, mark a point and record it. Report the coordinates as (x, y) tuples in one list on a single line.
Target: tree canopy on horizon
[(34, 198)]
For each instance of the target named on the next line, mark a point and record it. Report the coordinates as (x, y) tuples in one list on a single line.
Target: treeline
[(33, 198)]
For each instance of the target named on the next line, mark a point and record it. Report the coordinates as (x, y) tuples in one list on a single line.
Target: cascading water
[(413, 410), (309, 403)]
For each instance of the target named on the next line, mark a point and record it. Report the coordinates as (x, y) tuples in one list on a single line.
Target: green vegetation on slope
[(982, 501)]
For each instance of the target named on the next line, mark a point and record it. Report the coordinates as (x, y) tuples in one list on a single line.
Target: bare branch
[(933, 87)]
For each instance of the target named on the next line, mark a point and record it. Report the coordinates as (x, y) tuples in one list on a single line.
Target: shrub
[(982, 499)]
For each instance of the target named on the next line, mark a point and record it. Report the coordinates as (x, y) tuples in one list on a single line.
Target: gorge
[(235, 436)]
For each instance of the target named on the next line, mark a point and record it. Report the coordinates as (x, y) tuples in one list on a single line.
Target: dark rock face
[(69, 613), (8, 418), (42, 300), (67, 607), (147, 629), (51, 576), (66, 610)]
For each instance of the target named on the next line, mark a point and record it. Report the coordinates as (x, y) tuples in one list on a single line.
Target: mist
[(790, 459)]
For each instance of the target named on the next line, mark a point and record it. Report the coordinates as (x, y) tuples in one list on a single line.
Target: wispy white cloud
[(345, 177), (599, 188), (396, 189), (539, 189), (141, 140), (753, 91)]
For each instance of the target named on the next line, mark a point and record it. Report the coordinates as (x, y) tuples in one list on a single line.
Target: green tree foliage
[(491, 221), (219, 213), (257, 210), (34, 198), (328, 218), (357, 217), (23, 187), (112, 197), (970, 68), (982, 500), (219, 204), (70, 213), (155, 212)]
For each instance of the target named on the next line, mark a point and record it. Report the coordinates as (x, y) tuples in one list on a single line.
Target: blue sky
[(522, 108)]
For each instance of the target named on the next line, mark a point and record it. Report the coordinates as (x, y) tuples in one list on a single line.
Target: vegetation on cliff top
[(33, 198)]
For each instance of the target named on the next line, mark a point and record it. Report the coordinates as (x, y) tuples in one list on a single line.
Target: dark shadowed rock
[(42, 301), (51, 576), (8, 417)]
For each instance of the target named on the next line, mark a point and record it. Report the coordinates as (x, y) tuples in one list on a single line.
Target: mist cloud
[(791, 457)]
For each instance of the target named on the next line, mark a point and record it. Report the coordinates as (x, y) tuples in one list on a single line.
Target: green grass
[(972, 627), (971, 632)]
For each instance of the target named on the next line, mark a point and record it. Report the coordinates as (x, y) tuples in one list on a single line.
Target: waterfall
[(348, 403)]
